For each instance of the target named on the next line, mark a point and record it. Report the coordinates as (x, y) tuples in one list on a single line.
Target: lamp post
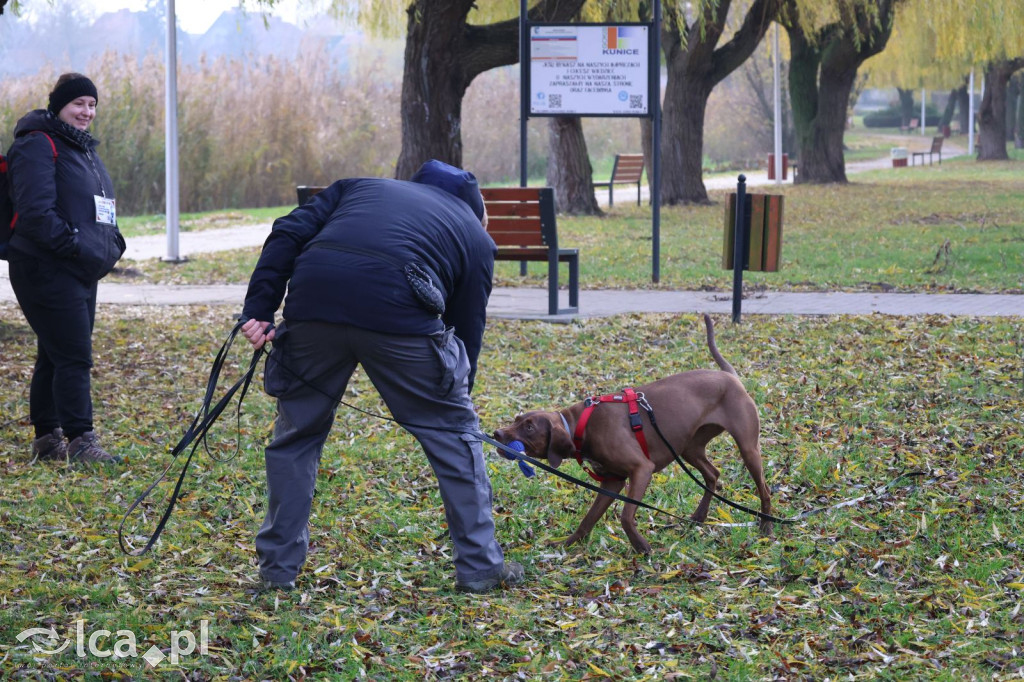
[(171, 136)]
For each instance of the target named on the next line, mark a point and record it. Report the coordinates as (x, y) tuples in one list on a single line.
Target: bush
[(892, 118)]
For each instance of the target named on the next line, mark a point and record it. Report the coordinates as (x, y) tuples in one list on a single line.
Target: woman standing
[(65, 240)]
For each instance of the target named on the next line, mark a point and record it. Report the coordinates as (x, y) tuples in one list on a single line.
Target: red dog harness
[(630, 398)]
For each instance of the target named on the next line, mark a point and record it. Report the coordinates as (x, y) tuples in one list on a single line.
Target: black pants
[(61, 310)]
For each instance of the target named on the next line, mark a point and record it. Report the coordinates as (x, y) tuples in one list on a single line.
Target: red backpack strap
[(4, 167), (53, 147)]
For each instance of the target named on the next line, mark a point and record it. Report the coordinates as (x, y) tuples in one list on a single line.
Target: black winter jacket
[(341, 257), (55, 198)]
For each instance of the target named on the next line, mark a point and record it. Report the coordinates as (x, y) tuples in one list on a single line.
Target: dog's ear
[(559, 442)]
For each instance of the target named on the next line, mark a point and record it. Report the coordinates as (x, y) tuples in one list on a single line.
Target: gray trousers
[(424, 382)]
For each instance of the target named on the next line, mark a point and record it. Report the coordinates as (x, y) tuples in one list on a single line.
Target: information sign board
[(589, 70)]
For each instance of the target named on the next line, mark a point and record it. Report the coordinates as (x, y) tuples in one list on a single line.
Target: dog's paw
[(640, 543)]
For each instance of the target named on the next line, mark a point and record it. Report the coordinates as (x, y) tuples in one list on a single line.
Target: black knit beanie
[(69, 91)]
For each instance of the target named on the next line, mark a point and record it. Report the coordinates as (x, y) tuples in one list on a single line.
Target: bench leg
[(638, 193), (522, 268), (574, 283), (553, 285), (611, 195)]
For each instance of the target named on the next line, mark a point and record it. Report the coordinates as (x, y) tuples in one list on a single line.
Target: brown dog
[(690, 408)]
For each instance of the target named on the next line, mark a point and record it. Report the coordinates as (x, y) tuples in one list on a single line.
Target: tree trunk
[(906, 106), (569, 169), (822, 71), (1018, 137), (443, 54), (963, 100), (819, 113), (992, 115), (1013, 89), (433, 84), (695, 67), (647, 143), (682, 139), (947, 114)]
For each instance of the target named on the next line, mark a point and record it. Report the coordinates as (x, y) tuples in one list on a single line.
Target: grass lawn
[(924, 581), (954, 227)]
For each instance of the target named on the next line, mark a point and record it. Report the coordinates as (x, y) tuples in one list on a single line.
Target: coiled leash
[(196, 433)]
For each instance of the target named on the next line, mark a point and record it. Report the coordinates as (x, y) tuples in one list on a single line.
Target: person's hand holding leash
[(256, 332)]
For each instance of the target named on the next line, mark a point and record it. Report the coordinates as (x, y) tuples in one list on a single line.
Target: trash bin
[(771, 166), (899, 156)]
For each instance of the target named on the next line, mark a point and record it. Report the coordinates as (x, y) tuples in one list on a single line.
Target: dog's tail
[(722, 362)]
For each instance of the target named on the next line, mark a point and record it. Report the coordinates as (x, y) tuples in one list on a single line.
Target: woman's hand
[(256, 333)]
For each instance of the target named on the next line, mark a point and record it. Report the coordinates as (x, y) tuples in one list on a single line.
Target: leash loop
[(195, 434)]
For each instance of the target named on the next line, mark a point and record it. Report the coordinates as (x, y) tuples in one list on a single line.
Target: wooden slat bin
[(765, 240)]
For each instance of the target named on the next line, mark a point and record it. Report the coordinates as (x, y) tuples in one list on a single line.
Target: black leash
[(756, 512), (520, 456), (196, 434), (207, 415)]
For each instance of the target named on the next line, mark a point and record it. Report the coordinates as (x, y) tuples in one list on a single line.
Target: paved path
[(523, 303)]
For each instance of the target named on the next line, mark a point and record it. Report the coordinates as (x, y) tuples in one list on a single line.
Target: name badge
[(106, 211)]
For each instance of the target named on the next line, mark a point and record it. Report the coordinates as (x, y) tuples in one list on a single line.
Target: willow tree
[(949, 37), (690, 35), (445, 49), (907, 64), (828, 44)]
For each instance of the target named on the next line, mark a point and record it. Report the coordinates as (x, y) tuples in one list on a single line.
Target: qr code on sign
[(636, 101), (555, 101)]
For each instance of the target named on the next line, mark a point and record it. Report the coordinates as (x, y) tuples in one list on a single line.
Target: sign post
[(593, 70)]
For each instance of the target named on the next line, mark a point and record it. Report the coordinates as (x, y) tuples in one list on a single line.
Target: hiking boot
[(511, 574), (86, 448), (51, 447)]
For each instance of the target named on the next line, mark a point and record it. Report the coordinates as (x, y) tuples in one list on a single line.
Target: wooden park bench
[(936, 149), (521, 221), (911, 127), (627, 170)]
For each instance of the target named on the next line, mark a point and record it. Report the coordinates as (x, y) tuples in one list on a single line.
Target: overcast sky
[(194, 16)]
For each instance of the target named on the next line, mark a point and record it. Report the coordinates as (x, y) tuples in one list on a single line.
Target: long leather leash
[(207, 415), (196, 434)]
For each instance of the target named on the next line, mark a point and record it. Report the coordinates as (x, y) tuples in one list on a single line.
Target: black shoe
[(512, 573), (51, 447)]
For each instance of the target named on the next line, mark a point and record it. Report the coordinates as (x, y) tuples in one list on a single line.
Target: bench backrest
[(521, 216), (628, 168), (937, 144), (518, 217)]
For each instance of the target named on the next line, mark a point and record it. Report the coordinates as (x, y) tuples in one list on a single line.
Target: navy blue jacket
[(340, 256), (55, 201)]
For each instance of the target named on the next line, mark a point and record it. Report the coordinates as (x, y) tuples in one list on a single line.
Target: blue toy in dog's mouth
[(518, 446)]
